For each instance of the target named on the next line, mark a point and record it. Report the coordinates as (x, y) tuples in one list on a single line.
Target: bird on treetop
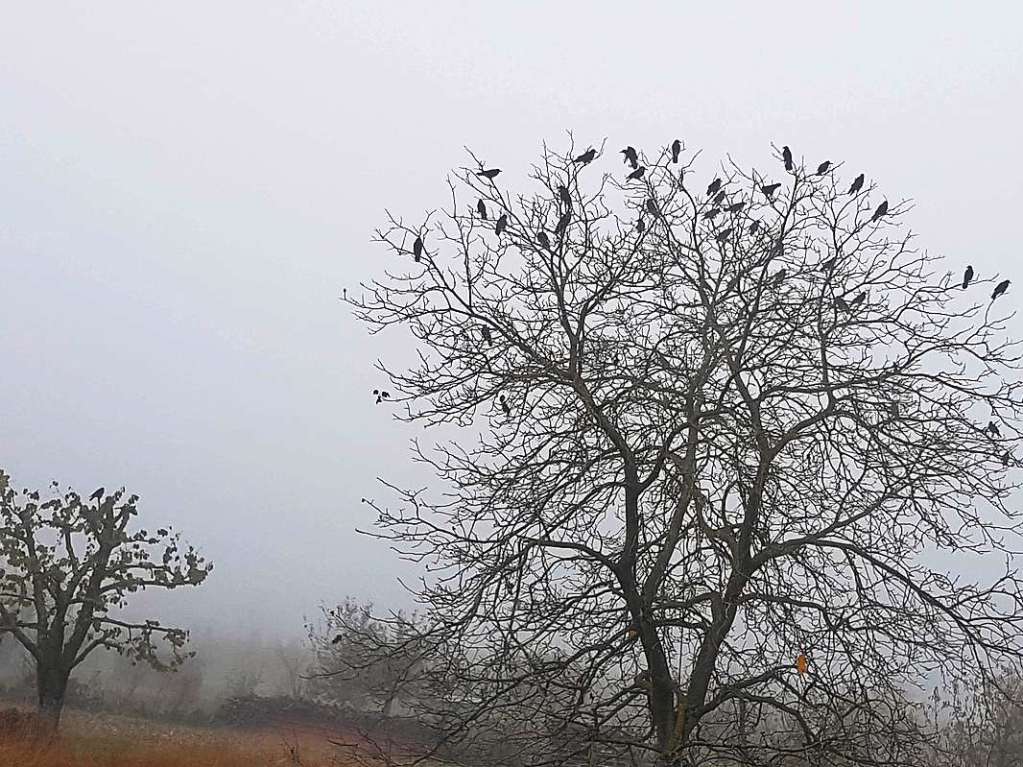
[(586, 157), (967, 276)]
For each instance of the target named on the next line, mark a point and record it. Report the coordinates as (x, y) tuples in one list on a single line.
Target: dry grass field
[(104, 740)]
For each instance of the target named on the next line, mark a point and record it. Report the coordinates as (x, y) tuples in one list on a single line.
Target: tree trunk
[(51, 686)]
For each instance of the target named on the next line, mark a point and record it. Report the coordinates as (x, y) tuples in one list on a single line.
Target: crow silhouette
[(881, 210), (720, 197), (631, 157), (786, 155), (489, 174), (735, 207), (638, 173), (486, 335), (769, 189), (857, 184), (563, 223), (504, 405), (823, 167), (714, 186), (1000, 289), (828, 265), (779, 278), (651, 206), (723, 235), (858, 300), (543, 239), (565, 195), (967, 276), (502, 224), (417, 248), (754, 227), (640, 225), (676, 150), (586, 157), (481, 208), (97, 494), (993, 429), (711, 213), (841, 304)]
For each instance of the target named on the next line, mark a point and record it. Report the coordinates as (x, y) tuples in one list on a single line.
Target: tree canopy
[(717, 438)]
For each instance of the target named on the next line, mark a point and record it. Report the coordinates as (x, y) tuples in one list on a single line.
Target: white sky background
[(185, 188)]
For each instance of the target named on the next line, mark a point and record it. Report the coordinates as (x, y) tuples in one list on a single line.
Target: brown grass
[(118, 741)]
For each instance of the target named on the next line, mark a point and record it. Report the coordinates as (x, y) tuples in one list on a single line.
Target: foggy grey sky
[(186, 187)]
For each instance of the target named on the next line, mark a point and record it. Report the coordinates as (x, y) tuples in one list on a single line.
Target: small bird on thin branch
[(967, 276)]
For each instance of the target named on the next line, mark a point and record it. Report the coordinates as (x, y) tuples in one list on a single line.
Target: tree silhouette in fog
[(700, 485), (67, 565)]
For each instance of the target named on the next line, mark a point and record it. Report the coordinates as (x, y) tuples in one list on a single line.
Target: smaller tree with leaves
[(68, 565)]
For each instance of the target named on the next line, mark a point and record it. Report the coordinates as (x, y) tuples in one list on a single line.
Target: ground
[(107, 740)]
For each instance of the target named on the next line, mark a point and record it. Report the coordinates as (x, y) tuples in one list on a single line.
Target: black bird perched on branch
[(720, 197), (711, 213), (485, 331), (481, 208), (881, 210), (714, 186), (631, 157), (859, 299), (502, 224), (735, 207), (856, 185), (587, 157), (770, 189), (829, 264), (563, 223), (841, 304), (823, 167), (489, 174), (1000, 289), (993, 430), (967, 276), (779, 278), (504, 405), (417, 248), (565, 195), (786, 155), (754, 227), (97, 494), (676, 150), (381, 395), (638, 173), (651, 206), (723, 234), (543, 239), (640, 225)]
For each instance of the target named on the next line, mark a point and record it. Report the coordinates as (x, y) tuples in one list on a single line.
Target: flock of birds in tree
[(718, 196)]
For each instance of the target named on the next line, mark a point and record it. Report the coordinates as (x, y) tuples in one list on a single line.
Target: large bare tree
[(67, 567), (713, 447)]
